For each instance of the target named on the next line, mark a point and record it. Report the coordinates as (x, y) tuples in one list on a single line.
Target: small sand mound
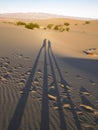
[(33, 89), (39, 71), (68, 87), (22, 81), (91, 51), (79, 113), (88, 126), (49, 76), (52, 97), (78, 77), (20, 55), (55, 106), (36, 81), (86, 93), (96, 112), (66, 106), (52, 87), (21, 92), (6, 65), (87, 108), (61, 85), (2, 78)]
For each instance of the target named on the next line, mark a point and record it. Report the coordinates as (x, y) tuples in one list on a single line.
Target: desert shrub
[(87, 22), (36, 25), (67, 29), (32, 25), (66, 24), (21, 23), (29, 26), (57, 27), (62, 29), (49, 26)]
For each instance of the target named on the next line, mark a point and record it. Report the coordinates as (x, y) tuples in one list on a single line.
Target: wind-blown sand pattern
[(47, 79)]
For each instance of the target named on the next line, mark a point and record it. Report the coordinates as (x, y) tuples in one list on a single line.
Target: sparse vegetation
[(57, 27), (49, 26), (66, 24), (20, 23), (87, 22), (31, 25), (62, 30), (28, 25)]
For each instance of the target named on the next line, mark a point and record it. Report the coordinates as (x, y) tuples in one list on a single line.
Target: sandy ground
[(48, 79)]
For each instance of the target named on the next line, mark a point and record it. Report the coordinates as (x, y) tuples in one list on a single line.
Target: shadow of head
[(49, 44), (44, 42)]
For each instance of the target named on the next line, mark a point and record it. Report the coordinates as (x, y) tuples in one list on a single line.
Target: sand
[(48, 81)]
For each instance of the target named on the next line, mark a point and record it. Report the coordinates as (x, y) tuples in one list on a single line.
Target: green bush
[(21, 23), (57, 27), (62, 30), (32, 25), (87, 22), (66, 24), (49, 26)]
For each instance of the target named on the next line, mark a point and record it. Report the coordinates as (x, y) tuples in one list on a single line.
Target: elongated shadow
[(45, 107), (61, 113), (77, 122), (19, 111)]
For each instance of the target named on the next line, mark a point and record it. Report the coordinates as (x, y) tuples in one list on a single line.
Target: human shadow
[(63, 124), (77, 122), (19, 111), (45, 107)]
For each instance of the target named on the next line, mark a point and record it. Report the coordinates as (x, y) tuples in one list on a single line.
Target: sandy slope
[(39, 91)]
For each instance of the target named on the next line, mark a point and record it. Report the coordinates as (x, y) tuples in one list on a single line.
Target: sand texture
[(49, 79)]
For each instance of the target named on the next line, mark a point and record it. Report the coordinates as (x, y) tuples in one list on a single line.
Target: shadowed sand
[(47, 81)]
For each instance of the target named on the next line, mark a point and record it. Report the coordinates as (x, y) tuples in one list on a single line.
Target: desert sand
[(49, 79)]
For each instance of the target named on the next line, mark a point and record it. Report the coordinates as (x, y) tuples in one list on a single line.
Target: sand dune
[(47, 82)]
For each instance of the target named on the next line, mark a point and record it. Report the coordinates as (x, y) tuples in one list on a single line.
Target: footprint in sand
[(39, 71), (55, 105), (2, 78), (20, 55), (28, 72), (87, 108), (7, 76), (33, 89), (65, 102), (69, 88), (22, 82), (88, 126), (79, 77), (66, 73), (79, 113), (35, 81), (92, 82), (21, 92), (49, 76), (52, 93), (84, 91)]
